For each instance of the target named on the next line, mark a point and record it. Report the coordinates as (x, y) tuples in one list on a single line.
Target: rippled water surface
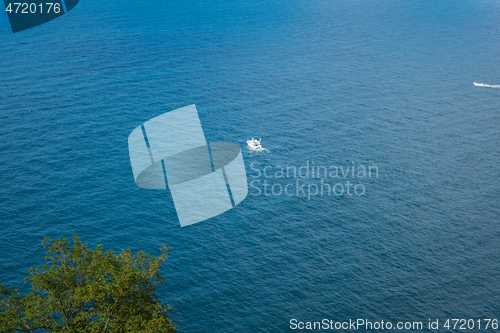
[(337, 83)]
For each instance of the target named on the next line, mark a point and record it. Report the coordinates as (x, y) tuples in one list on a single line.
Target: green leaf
[(83, 290)]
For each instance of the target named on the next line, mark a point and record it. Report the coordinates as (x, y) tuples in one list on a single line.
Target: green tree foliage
[(90, 291)]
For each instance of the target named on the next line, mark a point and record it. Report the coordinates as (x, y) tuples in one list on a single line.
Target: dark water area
[(386, 84)]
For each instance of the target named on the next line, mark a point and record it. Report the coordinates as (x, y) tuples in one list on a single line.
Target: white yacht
[(254, 144)]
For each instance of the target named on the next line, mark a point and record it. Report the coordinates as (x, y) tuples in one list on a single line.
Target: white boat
[(254, 144), (486, 85)]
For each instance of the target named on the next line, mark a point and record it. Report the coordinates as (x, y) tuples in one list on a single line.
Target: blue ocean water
[(340, 83)]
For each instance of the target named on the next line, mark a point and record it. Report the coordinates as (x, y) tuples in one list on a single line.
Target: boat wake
[(486, 85), (259, 151)]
